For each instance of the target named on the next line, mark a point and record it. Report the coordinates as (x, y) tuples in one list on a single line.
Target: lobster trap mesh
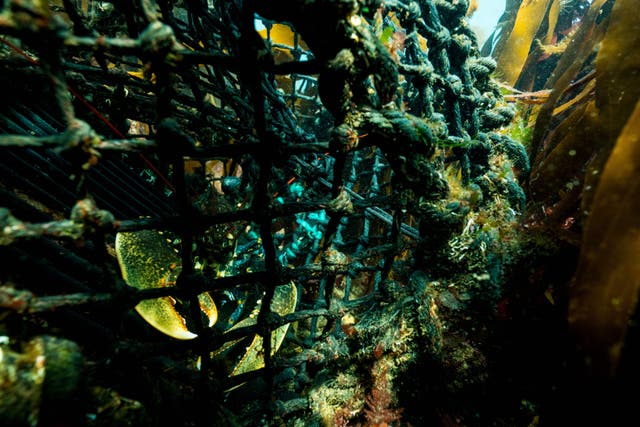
[(325, 175)]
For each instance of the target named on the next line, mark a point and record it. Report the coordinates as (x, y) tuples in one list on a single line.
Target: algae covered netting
[(251, 211)]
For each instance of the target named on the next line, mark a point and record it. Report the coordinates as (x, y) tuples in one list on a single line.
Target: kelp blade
[(516, 49), (607, 281)]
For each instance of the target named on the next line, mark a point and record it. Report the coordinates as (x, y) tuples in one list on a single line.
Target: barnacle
[(148, 261)]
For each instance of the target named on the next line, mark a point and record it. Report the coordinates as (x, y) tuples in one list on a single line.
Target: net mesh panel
[(203, 120)]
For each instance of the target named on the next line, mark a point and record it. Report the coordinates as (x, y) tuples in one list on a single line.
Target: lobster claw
[(147, 261), (283, 303)]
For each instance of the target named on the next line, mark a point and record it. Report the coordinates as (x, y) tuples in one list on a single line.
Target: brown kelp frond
[(516, 49), (585, 155), (528, 36), (606, 286), (605, 292)]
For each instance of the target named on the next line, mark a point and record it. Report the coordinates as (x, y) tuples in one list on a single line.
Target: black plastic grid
[(209, 93)]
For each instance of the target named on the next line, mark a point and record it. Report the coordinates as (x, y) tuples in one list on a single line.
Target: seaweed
[(582, 117), (607, 286)]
